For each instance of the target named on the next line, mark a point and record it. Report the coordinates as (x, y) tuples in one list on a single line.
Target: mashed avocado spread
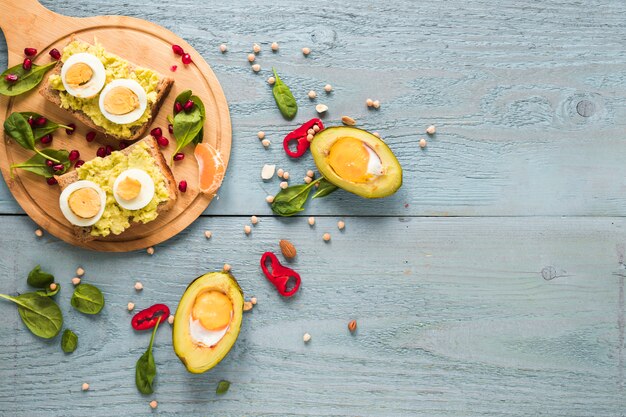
[(104, 171), (115, 68)]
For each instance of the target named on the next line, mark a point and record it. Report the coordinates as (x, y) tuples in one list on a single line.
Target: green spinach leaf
[(326, 187), (284, 98), (69, 341), (17, 127), (291, 200), (41, 131), (145, 370), (39, 279), (39, 313), (188, 126), (27, 80), (222, 387), (87, 299), (37, 163)]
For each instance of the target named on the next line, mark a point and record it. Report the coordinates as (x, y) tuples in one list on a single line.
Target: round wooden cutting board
[(27, 23)]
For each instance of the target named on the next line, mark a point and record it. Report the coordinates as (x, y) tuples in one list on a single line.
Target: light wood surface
[(145, 44)]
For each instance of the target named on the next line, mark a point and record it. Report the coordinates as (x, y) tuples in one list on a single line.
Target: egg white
[(374, 165), (135, 87), (94, 85), (145, 195), (204, 337), (67, 211)]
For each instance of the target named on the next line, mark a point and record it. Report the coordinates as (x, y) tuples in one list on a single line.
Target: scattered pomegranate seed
[(101, 152), (188, 105), (91, 136), (79, 163), (173, 68), (41, 121), (57, 167), (72, 128), (109, 149), (178, 50), (49, 163), (11, 78), (74, 155), (187, 59), (30, 121), (163, 141), (27, 64), (46, 139), (156, 132), (170, 128), (123, 145), (178, 107), (182, 186), (54, 53), (52, 181), (179, 156), (30, 51)]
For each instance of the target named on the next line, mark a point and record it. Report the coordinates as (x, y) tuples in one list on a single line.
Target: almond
[(348, 121), (287, 248)]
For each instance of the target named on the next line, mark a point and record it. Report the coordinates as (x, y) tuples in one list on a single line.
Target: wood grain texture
[(502, 81)]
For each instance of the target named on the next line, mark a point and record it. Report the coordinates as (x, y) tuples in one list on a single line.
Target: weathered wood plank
[(457, 317)]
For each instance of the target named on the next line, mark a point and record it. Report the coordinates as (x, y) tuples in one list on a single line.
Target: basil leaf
[(188, 126), (87, 299), (69, 341), (27, 80), (291, 200), (326, 187), (39, 279), (37, 163), (40, 314), (284, 98), (47, 292), (145, 370), (41, 131), (222, 387), (17, 127)]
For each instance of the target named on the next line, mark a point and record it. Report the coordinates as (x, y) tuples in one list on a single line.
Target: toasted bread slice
[(163, 88), (83, 234)]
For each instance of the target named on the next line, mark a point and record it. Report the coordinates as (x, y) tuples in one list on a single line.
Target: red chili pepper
[(280, 275), (300, 135), (147, 319)]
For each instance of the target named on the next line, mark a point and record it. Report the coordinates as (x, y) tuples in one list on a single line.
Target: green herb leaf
[(222, 387), (326, 187), (145, 370), (188, 126), (39, 279), (284, 98), (27, 80), (291, 200), (40, 314), (47, 292), (17, 127), (37, 163), (87, 299), (69, 341), (40, 132)]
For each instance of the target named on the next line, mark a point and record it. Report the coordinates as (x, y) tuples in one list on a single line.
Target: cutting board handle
[(27, 23)]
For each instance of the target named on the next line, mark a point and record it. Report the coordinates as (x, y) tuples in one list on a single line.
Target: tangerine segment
[(211, 168), (213, 309)]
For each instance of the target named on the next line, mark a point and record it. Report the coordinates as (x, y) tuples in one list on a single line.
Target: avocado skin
[(379, 187)]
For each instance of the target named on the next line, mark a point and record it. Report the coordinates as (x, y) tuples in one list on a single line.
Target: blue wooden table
[(491, 284)]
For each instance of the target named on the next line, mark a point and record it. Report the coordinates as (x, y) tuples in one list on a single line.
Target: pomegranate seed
[(41, 121), (179, 156), (156, 132), (79, 163), (170, 128), (182, 186), (72, 128), (178, 107), (188, 105), (173, 68), (49, 163), (11, 78), (123, 145), (91, 136), (187, 59), (101, 152), (46, 139), (74, 155), (163, 141), (109, 149), (52, 181), (54, 53), (178, 50), (30, 121), (27, 64), (30, 51), (57, 167)]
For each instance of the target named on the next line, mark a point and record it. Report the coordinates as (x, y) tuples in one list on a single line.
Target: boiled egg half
[(354, 161), (123, 101), (133, 189), (83, 75), (210, 318), (82, 203)]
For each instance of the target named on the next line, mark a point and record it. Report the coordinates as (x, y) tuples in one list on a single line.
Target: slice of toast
[(83, 234), (163, 88)]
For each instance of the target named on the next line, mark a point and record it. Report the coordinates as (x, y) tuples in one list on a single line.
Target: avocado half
[(196, 357), (388, 177)]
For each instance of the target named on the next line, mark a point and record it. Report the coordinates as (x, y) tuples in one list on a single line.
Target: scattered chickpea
[(376, 134), (309, 138), (269, 199), (150, 251), (280, 172), (170, 319), (256, 48), (376, 104), (341, 225), (266, 143), (256, 68), (423, 143), (369, 102), (328, 88), (80, 271), (284, 185), (253, 300), (271, 80), (85, 386), (39, 233), (261, 134), (223, 48), (310, 132), (251, 57), (154, 404), (130, 306), (208, 234), (326, 237), (431, 130), (316, 128), (247, 229), (310, 173), (254, 220), (312, 94), (274, 46), (75, 281), (138, 286), (308, 180), (226, 268), (306, 338), (247, 306), (53, 286), (286, 175), (311, 221), (306, 51)]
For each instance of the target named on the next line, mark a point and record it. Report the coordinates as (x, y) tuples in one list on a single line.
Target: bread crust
[(83, 234), (54, 96)]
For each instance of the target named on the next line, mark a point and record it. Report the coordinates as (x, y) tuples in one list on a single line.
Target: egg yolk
[(349, 158), (78, 74), (128, 188), (121, 100), (85, 203), (213, 309)]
